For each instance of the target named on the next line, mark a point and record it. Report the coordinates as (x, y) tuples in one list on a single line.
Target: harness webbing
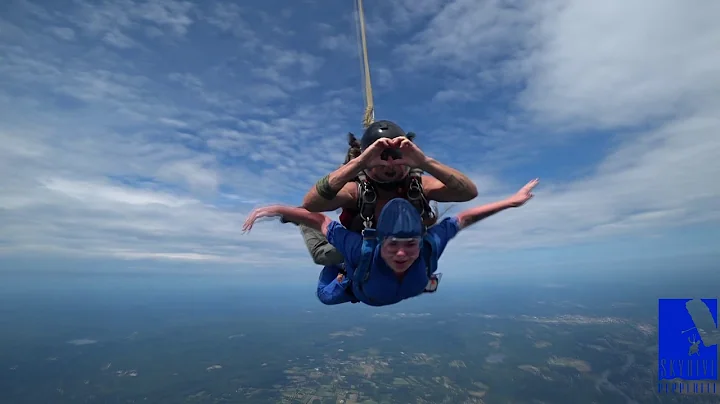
[(367, 198)]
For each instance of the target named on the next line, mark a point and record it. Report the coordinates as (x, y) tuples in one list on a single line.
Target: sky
[(139, 134)]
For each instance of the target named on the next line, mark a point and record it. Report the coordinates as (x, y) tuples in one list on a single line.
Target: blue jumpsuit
[(383, 286)]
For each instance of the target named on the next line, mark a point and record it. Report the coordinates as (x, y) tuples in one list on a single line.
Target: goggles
[(408, 243)]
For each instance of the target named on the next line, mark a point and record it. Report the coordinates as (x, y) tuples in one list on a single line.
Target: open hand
[(524, 194), (267, 211)]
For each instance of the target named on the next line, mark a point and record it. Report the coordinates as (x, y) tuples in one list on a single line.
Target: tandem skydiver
[(396, 260), (374, 172)]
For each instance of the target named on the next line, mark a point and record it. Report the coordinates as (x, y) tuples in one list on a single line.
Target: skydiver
[(389, 174), (399, 256)]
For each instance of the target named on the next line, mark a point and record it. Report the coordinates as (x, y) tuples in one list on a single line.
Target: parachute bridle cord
[(369, 115)]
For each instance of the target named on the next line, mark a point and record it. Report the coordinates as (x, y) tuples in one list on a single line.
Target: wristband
[(324, 190)]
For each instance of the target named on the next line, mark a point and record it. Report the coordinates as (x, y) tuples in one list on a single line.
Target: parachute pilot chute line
[(369, 115)]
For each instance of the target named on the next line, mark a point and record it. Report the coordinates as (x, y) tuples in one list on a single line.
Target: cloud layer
[(148, 129)]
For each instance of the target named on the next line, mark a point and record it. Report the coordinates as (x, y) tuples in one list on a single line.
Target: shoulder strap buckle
[(369, 234), (367, 200)]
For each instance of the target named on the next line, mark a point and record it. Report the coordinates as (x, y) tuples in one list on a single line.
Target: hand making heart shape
[(376, 156), (411, 155)]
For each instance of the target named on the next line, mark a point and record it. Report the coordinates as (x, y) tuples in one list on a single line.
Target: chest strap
[(367, 198)]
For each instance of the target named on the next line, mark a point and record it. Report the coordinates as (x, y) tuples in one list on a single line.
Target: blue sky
[(139, 134)]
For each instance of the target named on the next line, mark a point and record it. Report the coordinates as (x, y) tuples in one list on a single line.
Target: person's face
[(390, 173), (400, 253)]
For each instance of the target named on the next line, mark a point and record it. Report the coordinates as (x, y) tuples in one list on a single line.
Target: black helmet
[(379, 130), (390, 130)]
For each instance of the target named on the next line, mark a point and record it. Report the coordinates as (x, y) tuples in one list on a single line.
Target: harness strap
[(431, 261), (367, 200), (416, 195), (348, 284), (362, 273), (367, 197)]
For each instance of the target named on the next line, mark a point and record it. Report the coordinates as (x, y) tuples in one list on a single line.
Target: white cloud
[(644, 65), (111, 17), (341, 43), (610, 64), (118, 39), (119, 161), (97, 193), (407, 12), (197, 173), (658, 181), (444, 96), (65, 33), (466, 32), (381, 77), (229, 17)]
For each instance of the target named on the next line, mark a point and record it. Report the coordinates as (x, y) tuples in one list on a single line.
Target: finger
[(248, 224), (249, 219), (384, 145), (530, 185), (385, 142), (375, 147), (254, 215)]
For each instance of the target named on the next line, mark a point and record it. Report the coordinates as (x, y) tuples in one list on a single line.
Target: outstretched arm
[(347, 242), (474, 215), (471, 216), (316, 221)]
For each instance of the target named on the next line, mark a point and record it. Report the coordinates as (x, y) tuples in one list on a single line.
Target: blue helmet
[(399, 218)]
